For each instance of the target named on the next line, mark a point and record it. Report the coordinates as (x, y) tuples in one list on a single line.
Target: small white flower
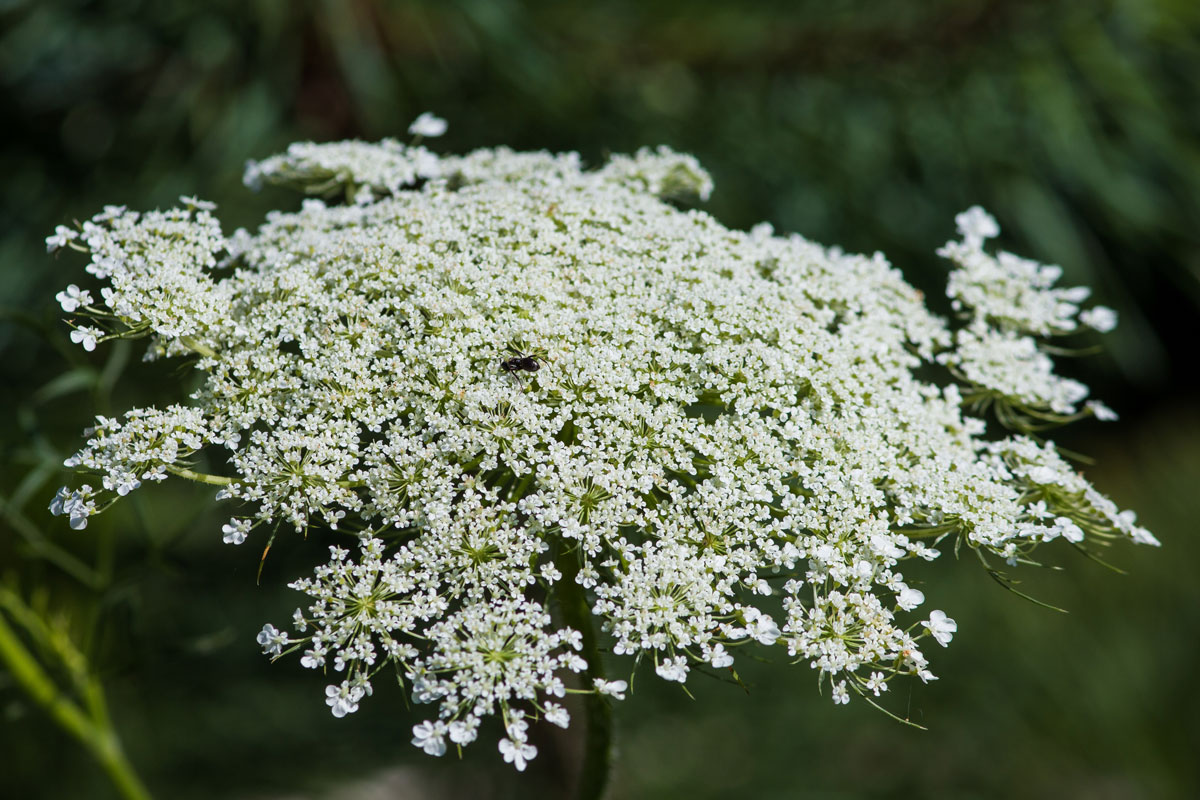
[(87, 337), (196, 204), (1143, 536), (1099, 318), (886, 546), (428, 126), (60, 238), (877, 683), (252, 177), (75, 505), (612, 688), (910, 598), (423, 691), (1039, 510), (1045, 476), (550, 573), (313, 659), (760, 627), (517, 728), (1100, 411), (1068, 529), (464, 732), (235, 531), (674, 669), (720, 657), (430, 737), (516, 753), (73, 297), (272, 640), (941, 627), (109, 213), (976, 225), (343, 700), (58, 504), (557, 715), (840, 695)]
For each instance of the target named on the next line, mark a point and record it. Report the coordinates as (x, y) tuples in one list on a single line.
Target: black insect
[(520, 363)]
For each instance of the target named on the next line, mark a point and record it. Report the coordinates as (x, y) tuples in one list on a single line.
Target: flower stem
[(202, 477), (92, 729), (198, 347), (597, 747)]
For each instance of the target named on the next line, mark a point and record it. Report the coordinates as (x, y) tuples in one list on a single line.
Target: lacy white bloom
[(1012, 367), (510, 382)]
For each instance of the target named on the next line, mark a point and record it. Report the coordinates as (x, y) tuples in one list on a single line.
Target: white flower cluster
[(157, 269), (511, 381), (1009, 301)]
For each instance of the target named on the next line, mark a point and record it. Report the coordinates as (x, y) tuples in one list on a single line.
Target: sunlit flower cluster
[(510, 382)]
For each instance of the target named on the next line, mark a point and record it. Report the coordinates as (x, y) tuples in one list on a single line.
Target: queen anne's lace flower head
[(509, 380)]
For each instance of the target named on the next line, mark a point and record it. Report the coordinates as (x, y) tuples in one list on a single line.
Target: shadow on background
[(1076, 124)]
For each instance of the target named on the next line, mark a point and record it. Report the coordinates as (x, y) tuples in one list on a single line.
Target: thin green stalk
[(94, 731), (598, 744), (202, 477), (221, 480), (198, 347)]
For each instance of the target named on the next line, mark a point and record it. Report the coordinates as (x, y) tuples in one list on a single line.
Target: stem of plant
[(597, 747), (95, 732)]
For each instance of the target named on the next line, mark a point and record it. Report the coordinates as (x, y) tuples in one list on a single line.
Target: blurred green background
[(863, 124)]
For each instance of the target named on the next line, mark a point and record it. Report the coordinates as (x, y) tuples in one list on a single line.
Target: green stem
[(197, 347), (221, 480), (96, 734), (930, 532), (598, 747), (202, 477)]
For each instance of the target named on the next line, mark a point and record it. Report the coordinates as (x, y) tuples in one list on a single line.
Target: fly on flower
[(519, 363), (522, 359)]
